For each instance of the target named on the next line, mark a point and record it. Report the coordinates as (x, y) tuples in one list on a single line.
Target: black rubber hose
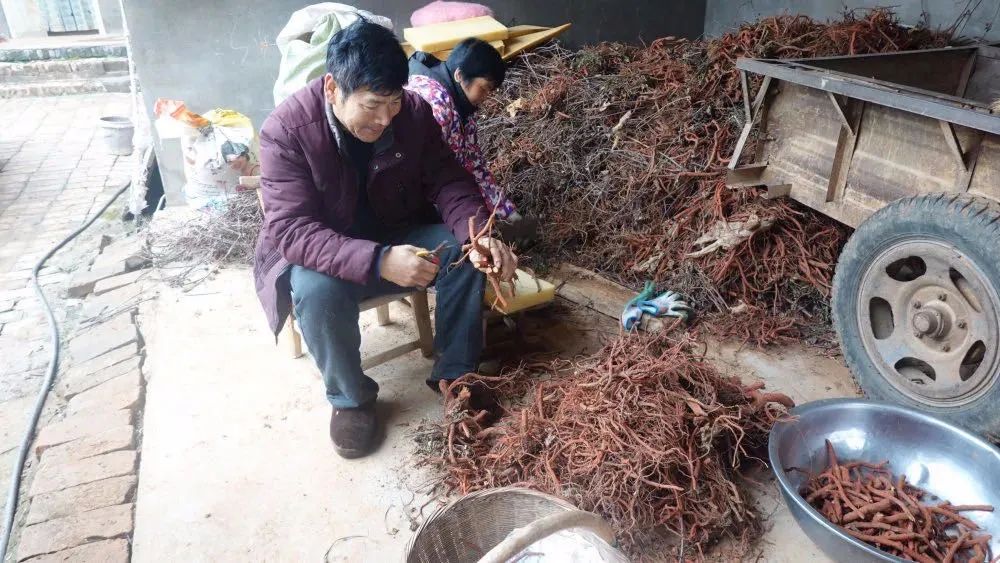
[(50, 376)]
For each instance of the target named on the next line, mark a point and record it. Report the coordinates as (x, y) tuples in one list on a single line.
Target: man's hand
[(501, 261), (401, 265)]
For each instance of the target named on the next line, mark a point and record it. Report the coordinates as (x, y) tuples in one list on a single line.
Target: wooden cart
[(905, 148)]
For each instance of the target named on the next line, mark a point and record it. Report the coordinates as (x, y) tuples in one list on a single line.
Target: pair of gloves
[(666, 304)]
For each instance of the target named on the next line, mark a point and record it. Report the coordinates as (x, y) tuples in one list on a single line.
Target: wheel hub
[(930, 322), (939, 318)]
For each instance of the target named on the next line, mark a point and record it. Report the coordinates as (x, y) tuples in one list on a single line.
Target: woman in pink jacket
[(455, 89)]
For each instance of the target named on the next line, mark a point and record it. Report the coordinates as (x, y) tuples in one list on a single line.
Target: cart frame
[(848, 135)]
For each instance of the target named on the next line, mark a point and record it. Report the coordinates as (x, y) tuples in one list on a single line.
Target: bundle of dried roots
[(642, 432), (888, 512), (621, 152), (487, 263), (200, 240)]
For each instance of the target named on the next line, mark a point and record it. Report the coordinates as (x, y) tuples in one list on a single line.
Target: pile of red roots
[(621, 152), (642, 432)]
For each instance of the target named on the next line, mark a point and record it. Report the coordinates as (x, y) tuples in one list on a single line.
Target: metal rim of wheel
[(928, 319)]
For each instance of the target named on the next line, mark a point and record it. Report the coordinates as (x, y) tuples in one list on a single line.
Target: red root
[(898, 522)]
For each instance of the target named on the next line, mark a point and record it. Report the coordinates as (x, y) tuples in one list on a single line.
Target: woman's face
[(478, 90)]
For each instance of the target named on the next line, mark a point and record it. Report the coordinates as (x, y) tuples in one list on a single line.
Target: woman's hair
[(478, 59)]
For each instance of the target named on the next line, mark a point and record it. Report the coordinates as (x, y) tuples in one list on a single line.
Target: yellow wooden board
[(529, 292), (443, 55), (443, 36), (519, 30), (518, 45), (520, 39)]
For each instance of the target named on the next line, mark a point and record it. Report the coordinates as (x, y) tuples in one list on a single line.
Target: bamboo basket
[(478, 527)]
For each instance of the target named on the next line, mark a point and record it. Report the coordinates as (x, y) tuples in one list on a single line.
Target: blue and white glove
[(632, 314), (631, 317), (667, 304)]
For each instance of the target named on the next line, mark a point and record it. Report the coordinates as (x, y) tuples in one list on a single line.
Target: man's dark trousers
[(327, 312)]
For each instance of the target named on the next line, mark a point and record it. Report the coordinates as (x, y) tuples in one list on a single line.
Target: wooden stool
[(416, 300)]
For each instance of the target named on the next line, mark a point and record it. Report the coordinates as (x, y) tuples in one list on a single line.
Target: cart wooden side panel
[(848, 156)]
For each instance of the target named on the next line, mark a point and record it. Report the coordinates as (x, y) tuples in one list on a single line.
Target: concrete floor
[(54, 173), (804, 376), (236, 462)]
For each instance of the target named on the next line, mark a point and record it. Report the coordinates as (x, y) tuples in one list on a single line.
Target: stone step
[(35, 71), (114, 82), (23, 55)]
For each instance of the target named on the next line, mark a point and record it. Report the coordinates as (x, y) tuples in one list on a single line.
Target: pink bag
[(440, 11)]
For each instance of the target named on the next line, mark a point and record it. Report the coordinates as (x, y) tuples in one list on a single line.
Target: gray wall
[(111, 16), (4, 29), (215, 53), (221, 53), (980, 23), (24, 18)]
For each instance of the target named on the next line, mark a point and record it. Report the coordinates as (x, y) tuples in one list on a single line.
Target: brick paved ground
[(54, 173)]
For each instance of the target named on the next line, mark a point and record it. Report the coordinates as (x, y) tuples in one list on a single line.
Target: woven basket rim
[(440, 512)]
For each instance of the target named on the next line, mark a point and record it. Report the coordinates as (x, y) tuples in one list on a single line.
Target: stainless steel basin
[(936, 456)]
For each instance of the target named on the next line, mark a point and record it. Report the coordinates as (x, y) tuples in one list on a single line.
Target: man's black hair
[(366, 55), (478, 59)]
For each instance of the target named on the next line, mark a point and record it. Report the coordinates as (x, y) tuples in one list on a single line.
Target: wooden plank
[(761, 95), (778, 191), (382, 300), (498, 45), (752, 113), (382, 314), (422, 317), (948, 130), (963, 81), (594, 291), (291, 338), (746, 176), (529, 292), (965, 178), (847, 142), (744, 135), (761, 112), (522, 30), (391, 354), (518, 45), (746, 96), (442, 36), (839, 109)]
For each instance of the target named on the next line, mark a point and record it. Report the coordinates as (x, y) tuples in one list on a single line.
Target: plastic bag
[(575, 545), (303, 41), (440, 11), (218, 148)]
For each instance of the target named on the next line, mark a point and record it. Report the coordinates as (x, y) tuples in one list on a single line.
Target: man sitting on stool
[(352, 167)]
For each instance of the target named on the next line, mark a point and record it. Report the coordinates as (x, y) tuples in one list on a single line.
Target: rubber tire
[(970, 224)]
